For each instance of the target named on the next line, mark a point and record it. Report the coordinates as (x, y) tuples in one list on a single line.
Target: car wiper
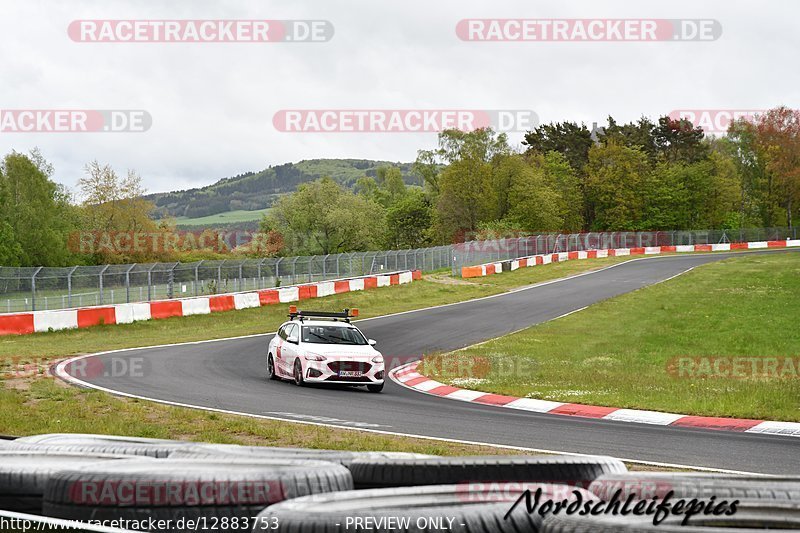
[(344, 341)]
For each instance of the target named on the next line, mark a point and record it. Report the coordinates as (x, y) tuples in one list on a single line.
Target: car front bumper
[(331, 371)]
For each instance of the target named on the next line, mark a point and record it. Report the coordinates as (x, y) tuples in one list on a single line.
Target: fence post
[(258, 271), (100, 282), (128, 283), (197, 276), (278, 270), (219, 277), (150, 282), (171, 282), (69, 286), (33, 289)]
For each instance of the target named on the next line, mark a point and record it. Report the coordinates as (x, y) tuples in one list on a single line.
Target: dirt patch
[(447, 280), (19, 384)]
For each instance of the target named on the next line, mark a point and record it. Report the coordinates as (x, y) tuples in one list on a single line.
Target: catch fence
[(42, 288)]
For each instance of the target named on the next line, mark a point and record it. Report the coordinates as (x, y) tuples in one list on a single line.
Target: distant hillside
[(258, 190)]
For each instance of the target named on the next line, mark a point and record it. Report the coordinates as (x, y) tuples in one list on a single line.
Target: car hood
[(342, 350)]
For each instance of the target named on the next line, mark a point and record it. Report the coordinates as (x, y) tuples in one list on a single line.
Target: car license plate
[(350, 373)]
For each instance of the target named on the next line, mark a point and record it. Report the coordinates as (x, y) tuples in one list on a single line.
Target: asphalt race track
[(230, 375)]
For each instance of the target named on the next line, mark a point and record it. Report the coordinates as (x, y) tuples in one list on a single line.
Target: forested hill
[(257, 190)]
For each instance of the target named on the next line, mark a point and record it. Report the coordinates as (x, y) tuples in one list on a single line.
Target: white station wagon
[(323, 347)]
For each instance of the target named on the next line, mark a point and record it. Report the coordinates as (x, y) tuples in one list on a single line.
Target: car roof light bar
[(346, 315)]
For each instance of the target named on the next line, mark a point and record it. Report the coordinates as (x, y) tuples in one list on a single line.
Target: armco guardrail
[(479, 252), (41, 321), (503, 266)]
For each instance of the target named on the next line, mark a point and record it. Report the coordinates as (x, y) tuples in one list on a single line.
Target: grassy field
[(223, 218), (33, 403), (721, 340)]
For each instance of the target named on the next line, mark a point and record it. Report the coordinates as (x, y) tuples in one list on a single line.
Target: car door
[(281, 350), (289, 351)]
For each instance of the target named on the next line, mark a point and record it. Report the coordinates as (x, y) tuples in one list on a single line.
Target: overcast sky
[(212, 103)]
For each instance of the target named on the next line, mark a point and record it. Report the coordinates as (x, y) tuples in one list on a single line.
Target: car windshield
[(333, 335)]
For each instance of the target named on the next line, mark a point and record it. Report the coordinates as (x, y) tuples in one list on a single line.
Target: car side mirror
[(292, 339), (372, 342)]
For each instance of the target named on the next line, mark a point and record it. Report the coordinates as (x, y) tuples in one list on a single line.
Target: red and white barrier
[(408, 376), (544, 259), (128, 313), (40, 321)]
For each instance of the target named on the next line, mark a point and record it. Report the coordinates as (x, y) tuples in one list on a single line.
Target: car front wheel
[(271, 368), (375, 388), (298, 373)]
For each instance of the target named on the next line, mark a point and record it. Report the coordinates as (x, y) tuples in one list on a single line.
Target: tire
[(329, 513), (646, 485), (452, 470), (24, 473), (375, 388), (344, 458), (751, 516), (175, 489), (271, 368), (298, 373), (79, 442)]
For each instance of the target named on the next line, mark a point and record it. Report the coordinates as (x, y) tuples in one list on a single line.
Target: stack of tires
[(194, 487)]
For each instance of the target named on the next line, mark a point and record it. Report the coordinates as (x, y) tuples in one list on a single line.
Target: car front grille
[(350, 366)]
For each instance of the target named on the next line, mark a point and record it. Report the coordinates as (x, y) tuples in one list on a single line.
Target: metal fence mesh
[(42, 288)]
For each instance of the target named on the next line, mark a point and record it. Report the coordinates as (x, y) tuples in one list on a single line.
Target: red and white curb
[(40, 321), (407, 376), (545, 259)]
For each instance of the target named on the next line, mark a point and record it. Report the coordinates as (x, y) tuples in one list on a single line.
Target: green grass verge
[(223, 218), (626, 351), (44, 405), (40, 404)]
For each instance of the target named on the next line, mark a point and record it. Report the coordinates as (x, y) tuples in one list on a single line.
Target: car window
[(333, 335), (282, 332), (291, 331)]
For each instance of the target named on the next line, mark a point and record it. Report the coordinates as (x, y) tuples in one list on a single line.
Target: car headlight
[(314, 357), (377, 359)]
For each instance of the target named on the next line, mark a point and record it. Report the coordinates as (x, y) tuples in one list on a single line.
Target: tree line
[(640, 176), (39, 218), (643, 175)]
